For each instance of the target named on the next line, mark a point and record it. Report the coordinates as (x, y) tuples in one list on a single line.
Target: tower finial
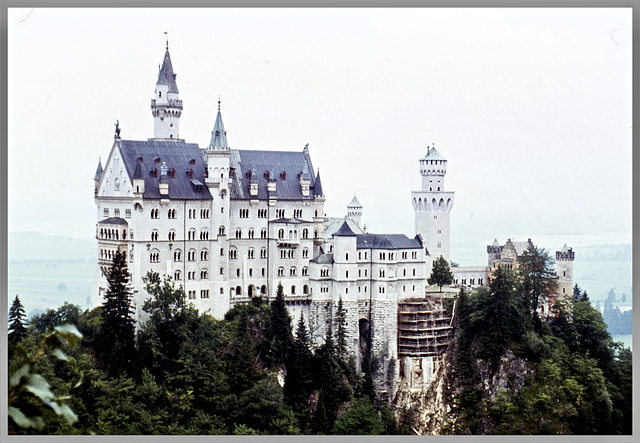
[(218, 102), (166, 33)]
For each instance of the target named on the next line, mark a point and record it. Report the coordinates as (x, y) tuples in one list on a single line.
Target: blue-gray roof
[(284, 167), (387, 241), (218, 135), (323, 259), (113, 221), (166, 75), (354, 203), (180, 157), (99, 171), (344, 231)]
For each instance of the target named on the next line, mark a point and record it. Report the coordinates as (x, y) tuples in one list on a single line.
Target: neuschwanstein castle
[(230, 224)]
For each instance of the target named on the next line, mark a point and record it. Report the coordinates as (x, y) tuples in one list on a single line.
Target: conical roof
[(317, 187), (218, 135), (432, 154), (355, 203), (166, 75), (99, 171), (137, 174), (344, 231)]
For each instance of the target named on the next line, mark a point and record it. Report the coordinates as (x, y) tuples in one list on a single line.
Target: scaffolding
[(424, 327)]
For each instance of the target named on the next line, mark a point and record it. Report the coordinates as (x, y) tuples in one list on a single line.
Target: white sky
[(531, 107)]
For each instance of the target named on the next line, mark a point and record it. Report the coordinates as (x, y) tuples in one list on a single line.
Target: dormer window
[(249, 174), (232, 173), (190, 173), (217, 133), (158, 160), (155, 173), (283, 175), (172, 173), (159, 94), (267, 175), (192, 161)]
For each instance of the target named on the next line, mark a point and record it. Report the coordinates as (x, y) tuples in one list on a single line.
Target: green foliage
[(536, 270), (279, 337), (30, 392), (565, 377), (360, 419), (17, 328), (341, 333), (65, 314), (441, 273), (117, 335)]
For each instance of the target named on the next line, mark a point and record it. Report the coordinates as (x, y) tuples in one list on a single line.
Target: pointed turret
[(165, 106), (166, 76), (99, 170), (354, 210), (219, 135), (138, 178), (98, 176), (317, 187)]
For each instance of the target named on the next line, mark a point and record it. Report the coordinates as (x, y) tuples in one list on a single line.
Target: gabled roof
[(387, 241), (334, 223), (113, 221), (99, 171), (344, 231), (292, 220), (323, 259), (276, 163), (137, 174), (179, 156), (166, 75)]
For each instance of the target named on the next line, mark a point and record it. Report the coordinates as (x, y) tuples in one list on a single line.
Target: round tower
[(354, 211), (165, 106), (564, 269), (432, 205)]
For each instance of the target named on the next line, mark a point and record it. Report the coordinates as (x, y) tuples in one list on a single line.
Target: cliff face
[(429, 409)]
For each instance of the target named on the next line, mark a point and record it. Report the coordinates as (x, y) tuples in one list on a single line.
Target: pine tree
[(441, 273), (341, 333), (118, 330), (279, 333), (539, 281), (298, 379), (577, 292), (17, 329)]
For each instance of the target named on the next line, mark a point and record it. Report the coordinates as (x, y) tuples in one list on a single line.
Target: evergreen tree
[(118, 329), (539, 281), (341, 333), (279, 333), (577, 292), (298, 379), (441, 273), (17, 329)]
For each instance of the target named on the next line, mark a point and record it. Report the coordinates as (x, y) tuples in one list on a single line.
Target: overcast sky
[(531, 107)]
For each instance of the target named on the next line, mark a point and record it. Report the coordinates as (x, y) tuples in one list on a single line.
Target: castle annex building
[(230, 224)]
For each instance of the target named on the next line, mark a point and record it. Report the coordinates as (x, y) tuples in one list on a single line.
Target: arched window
[(172, 235), (221, 230), (305, 289), (292, 271), (177, 276), (204, 274), (281, 234), (280, 271), (238, 290), (191, 255), (154, 235), (293, 290), (192, 234), (305, 233), (250, 253), (238, 233), (305, 271), (204, 255), (177, 255), (233, 253)]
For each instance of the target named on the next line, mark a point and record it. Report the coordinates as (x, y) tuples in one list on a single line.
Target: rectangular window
[(116, 212), (127, 213), (106, 212)]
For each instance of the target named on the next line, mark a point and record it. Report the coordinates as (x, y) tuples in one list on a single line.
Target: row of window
[(204, 293), (112, 234), (108, 254), (116, 212), (292, 271), (472, 281)]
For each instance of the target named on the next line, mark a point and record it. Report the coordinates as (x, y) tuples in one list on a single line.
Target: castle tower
[(433, 205), (354, 211), (564, 269), (218, 154), (165, 106)]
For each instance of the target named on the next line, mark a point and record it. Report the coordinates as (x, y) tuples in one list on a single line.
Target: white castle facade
[(229, 224)]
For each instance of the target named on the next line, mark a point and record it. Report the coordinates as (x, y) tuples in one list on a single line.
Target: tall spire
[(166, 76), (219, 135)]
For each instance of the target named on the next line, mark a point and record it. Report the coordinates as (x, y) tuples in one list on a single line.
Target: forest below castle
[(507, 371)]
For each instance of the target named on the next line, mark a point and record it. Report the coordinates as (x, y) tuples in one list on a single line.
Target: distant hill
[(24, 246)]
